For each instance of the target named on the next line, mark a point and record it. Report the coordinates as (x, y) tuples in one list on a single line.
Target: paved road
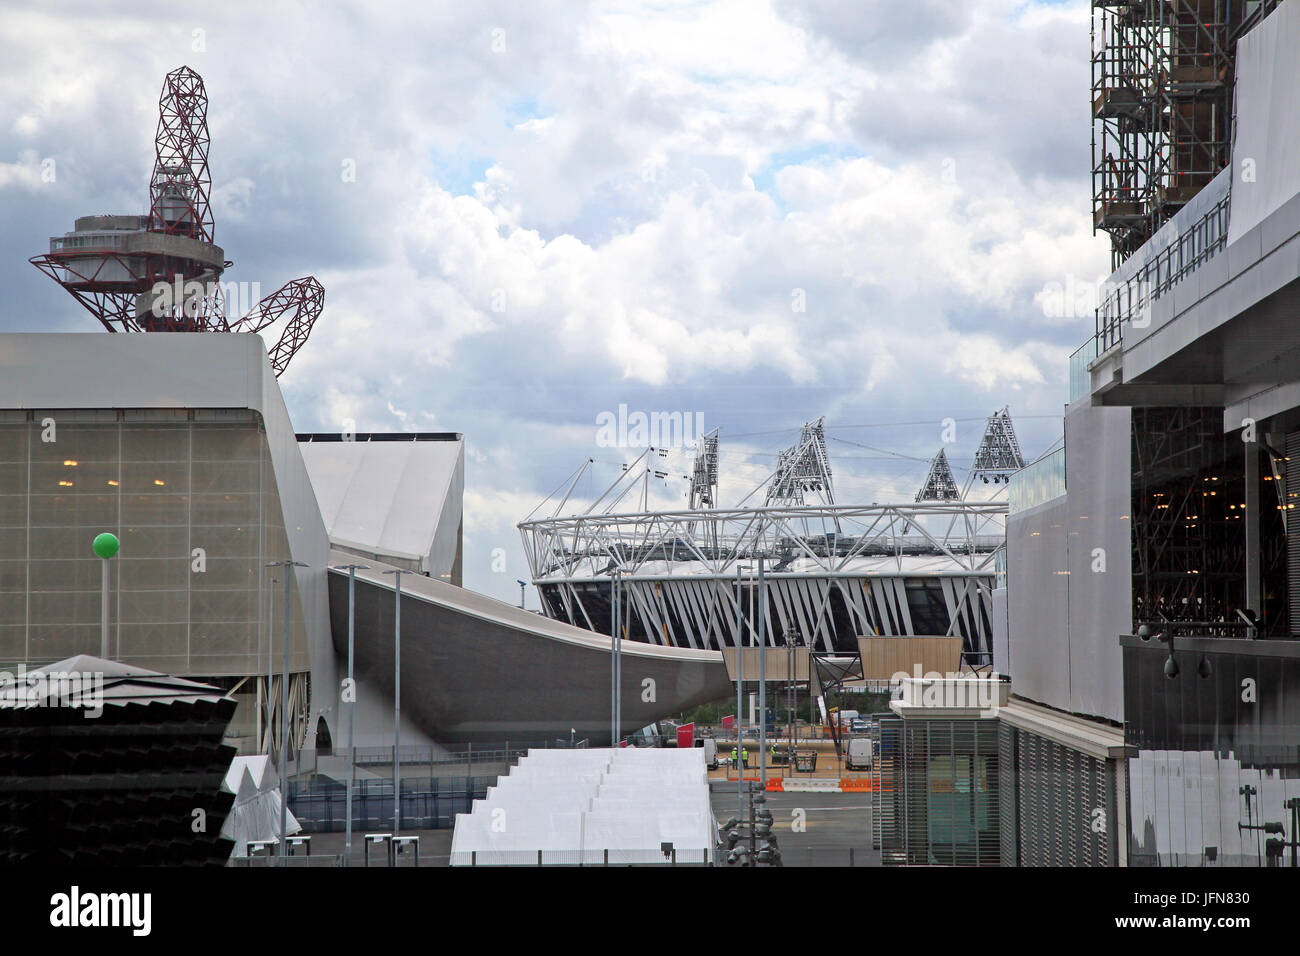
[(814, 829)]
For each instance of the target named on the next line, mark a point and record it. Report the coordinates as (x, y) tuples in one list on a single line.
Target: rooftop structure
[(939, 484), (161, 271)]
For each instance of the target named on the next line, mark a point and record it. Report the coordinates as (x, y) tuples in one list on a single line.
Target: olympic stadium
[(901, 583)]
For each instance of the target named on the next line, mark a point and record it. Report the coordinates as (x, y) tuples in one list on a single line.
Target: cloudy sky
[(527, 214)]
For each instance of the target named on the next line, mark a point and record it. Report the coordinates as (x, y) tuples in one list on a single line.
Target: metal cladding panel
[(1267, 126), (1069, 574), (1098, 532), (1038, 593), (1007, 815), (1001, 641), (479, 670), (887, 810)]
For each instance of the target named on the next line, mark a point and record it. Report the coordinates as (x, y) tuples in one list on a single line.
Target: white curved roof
[(394, 498)]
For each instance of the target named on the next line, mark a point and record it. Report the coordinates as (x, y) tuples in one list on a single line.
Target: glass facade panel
[(1037, 482), (195, 506)]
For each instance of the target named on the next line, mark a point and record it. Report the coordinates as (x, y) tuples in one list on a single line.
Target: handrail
[(1193, 247)]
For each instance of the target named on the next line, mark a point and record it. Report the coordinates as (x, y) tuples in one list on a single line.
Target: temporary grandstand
[(610, 806)]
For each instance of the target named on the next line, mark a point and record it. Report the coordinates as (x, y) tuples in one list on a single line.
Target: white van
[(710, 751), (858, 756)]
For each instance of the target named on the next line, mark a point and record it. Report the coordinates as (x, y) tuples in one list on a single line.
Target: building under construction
[(1162, 107), (1148, 613)]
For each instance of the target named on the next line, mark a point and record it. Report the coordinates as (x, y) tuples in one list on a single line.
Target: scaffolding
[(1162, 85)]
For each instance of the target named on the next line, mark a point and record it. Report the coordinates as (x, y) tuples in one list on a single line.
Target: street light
[(352, 570), (105, 546), (615, 642), (521, 594), (270, 666), (397, 699), (762, 679), (284, 703), (740, 691)]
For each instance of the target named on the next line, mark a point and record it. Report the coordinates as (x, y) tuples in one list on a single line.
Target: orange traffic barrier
[(857, 784), (774, 785)]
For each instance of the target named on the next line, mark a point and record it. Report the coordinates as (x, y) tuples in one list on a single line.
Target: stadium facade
[(898, 584)]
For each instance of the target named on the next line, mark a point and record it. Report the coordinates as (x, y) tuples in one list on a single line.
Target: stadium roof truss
[(680, 566)]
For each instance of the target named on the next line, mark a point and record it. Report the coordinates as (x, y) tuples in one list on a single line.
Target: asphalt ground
[(813, 829)]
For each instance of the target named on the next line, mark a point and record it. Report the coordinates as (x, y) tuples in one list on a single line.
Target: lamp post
[(614, 636), (270, 667), (397, 699), (284, 701), (740, 692), (762, 680), (105, 546), (352, 570), (521, 594)]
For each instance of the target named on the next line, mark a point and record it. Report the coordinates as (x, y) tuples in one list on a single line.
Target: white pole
[(103, 620), (397, 704), (284, 719), (762, 679)]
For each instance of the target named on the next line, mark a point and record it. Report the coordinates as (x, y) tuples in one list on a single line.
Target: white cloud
[(622, 206)]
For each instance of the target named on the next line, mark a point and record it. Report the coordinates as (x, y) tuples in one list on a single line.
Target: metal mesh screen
[(938, 793), (1065, 804)]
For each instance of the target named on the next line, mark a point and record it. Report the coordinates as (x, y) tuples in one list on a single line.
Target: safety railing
[(1124, 302)]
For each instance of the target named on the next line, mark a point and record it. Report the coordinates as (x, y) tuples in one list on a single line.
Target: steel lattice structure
[(998, 456), (704, 474), (180, 183), (161, 272), (939, 484), (802, 468), (1162, 87), (900, 569)]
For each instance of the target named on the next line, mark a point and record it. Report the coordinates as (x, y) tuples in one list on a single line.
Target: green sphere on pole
[(106, 545)]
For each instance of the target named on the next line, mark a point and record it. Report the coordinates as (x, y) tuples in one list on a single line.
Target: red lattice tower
[(180, 184), (161, 272)]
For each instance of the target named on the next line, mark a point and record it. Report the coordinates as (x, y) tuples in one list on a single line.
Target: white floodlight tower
[(939, 484), (704, 476), (802, 468), (998, 456)]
